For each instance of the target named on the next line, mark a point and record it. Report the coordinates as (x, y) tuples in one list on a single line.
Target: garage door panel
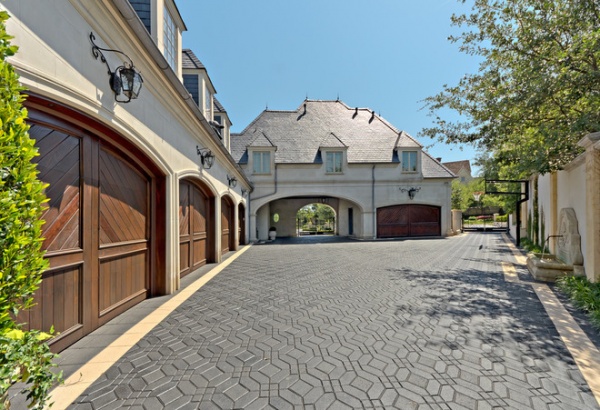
[(408, 221), (123, 201), (121, 279), (193, 227)]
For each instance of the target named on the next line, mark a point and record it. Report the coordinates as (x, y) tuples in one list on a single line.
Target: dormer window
[(409, 161), (207, 104), (261, 162), (333, 162), (169, 39)]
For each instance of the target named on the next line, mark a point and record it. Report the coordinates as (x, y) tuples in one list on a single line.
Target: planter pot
[(272, 235)]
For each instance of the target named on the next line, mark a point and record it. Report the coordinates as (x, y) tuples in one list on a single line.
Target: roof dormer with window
[(165, 25)]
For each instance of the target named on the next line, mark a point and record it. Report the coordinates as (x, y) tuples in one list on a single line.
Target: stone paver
[(416, 324)]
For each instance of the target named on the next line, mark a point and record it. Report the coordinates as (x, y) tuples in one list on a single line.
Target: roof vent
[(303, 114), (355, 113), (372, 117)]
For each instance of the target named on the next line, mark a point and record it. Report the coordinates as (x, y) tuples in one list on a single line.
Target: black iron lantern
[(125, 80), (207, 158)]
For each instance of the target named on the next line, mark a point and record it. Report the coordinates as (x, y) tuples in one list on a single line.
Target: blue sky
[(386, 55)]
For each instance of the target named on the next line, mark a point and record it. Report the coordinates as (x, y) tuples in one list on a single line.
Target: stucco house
[(378, 179), (142, 190)]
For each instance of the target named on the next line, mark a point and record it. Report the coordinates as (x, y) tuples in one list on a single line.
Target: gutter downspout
[(373, 201)]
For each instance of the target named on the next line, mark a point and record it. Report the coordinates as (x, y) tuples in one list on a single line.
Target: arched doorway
[(196, 226), (227, 225), (102, 225), (241, 224), (408, 221), (316, 219)]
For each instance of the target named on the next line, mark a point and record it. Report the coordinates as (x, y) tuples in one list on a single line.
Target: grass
[(584, 295), (530, 246)]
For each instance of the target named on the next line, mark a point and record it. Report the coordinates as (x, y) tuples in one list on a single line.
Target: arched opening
[(196, 226), (316, 219), (227, 225), (241, 224), (104, 228)]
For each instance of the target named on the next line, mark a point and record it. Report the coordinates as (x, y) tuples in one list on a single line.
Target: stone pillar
[(591, 143), (456, 220)]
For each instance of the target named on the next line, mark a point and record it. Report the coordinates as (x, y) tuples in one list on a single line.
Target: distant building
[(378, 179), (462, 169)]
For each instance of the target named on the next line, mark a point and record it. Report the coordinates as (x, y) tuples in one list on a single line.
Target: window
[(333, 162), (170, 39), (409, 161), (143, 10), (190, 81), (261, 162), (207, 104)]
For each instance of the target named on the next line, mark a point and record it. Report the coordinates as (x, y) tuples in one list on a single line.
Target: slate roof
[(299, 134), (218, 106), (456, 166), (189, 60)]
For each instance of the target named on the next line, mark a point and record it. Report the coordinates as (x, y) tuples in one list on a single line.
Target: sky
[(385, 55)]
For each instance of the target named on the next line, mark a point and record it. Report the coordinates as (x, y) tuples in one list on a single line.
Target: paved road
[(419, 324)]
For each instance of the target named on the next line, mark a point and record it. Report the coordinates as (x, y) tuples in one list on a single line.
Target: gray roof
[(189, 60), (299, 134), (218, 106)]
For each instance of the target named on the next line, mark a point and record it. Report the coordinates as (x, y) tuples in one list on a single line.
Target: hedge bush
[(24, 354)]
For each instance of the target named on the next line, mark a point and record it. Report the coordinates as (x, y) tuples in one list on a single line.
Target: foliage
[(584, 294), (462, 195), (24, 354), (530, 246), (319, 216), (536, 93)]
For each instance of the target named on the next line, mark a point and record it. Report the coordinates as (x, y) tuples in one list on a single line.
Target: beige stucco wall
[(354, 188), (56, 61)]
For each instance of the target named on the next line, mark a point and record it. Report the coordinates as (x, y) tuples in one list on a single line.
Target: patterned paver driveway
[(421, 324)]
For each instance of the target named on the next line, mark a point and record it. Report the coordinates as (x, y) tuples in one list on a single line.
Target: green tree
[(537, 91), (24, 354)]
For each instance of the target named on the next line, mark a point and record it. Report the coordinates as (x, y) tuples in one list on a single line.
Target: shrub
[(584, 294), (24, 354), (502, 218)]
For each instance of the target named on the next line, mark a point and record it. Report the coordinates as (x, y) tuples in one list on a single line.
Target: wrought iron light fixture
[(232, 181), (125, 80), (411, 191), (207, 158)]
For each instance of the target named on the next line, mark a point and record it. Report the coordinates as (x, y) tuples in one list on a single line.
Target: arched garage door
[(195, 227), (227, 226), (408, 221), (97, 233)]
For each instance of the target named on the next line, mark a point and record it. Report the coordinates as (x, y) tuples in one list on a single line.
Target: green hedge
[(24, 354)]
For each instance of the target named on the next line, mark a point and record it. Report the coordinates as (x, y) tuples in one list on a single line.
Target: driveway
[(415, 324)]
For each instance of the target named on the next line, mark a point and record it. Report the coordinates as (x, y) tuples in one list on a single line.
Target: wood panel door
[(194, 228), (408, 221), (96, 232), (227, 226), (59, 299), (123, 235), (241, 224)]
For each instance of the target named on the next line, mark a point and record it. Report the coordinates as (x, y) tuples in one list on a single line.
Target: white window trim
[(417, 163), (271, 153)]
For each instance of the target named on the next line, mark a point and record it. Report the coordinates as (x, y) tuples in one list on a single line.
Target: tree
[(24, 355), (537, 91)]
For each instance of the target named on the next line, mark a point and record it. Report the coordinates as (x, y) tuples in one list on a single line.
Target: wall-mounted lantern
[(411, 191), (125, 80), (207, 158), (232, 181)]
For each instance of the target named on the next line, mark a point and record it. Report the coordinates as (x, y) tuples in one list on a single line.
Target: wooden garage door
[(408, 220), (194, 223), (96, 234), (227, 226)]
